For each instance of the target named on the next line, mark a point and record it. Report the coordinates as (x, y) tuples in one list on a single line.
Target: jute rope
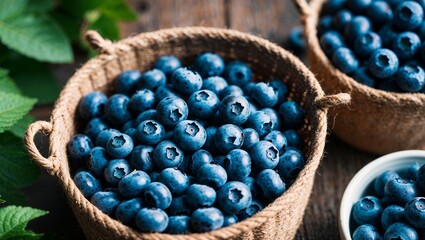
[(279, 220), (377, 121)]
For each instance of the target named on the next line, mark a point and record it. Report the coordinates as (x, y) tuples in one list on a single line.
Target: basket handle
[(303, 7), (49, 163), (329, 101), (98, 43)]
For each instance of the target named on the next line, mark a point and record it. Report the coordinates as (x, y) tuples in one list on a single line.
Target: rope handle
[(102, 45), (48, 163), (329, 101), (303, 7)]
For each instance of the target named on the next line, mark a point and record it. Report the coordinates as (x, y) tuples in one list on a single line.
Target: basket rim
[(310, 22), (141, 40)]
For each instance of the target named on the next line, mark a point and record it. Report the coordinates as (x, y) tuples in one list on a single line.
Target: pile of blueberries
[(378, 43), (182, 150), (395, 209)]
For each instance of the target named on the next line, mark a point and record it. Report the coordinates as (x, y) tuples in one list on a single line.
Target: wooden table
[(271, 19)]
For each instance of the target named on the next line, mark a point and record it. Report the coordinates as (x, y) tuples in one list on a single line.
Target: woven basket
[(377, 121), (280, 219)]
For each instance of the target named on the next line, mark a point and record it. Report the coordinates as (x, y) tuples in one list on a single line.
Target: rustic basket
[(280, 219), (377, 121)]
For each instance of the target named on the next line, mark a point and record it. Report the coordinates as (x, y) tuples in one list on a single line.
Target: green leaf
[(107, 27), (12, 108), (78, 8), (16, 171), (21, 126), (36, 36), (39, 6), (6, 83), (70, 25), (2, 200), (118, 10), (14, 220), (11, 8)]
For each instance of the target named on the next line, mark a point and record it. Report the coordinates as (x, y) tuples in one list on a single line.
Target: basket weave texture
[(279, 220), (376, 121)]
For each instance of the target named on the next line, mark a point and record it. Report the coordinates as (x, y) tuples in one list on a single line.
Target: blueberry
[(341, 19), (247, 89), (408, 15), (107, 202), (186, 81), (176, 181), (215, 84), (363, 76), (199, 158), (366, 231), (97, 160), (178, 225), (252, 185), (387, 34), (179, 207), (163, 92), (234, 109), (400, 190), (332, 6), (141, 101), (252, 209), (126, 82), (172, 110), (293, 138), (274, 117), (151, 220), (260, 122), (167, 64), (400, 231), (410, 78), (367, 210), (345, 60), (264, 95), (281, 90), (79, 148), (421, 31), (324, 25), (94, 127), (117, 110), (292, 114), (104, 136), (358, 6), (146, 115), (278, 139), (358, 25), (128, 125), (132, 185), (237, 164), (92, 105), (115, 170), (290, 164), (233, 197), (230, 220), (366, 44), (141, 158), (383, 63), (413, 172), (152, 79), (270, 184), (206, 219), (190, 135), (379, 12), (392, 214), (154, 176), (209, 144), (228, 137), (296, 41), (87, 183), (199, 196), (406, 45), (209, 64), (231, 90), (212, 175), (415, 212), (126, 212), (237, 73), (157, 195), (150, 132), (251, 137), (203, 104), (382, 180), (120, 146), (421, 2), (264, 155), (132, 132), (330, 42), (166, 154)]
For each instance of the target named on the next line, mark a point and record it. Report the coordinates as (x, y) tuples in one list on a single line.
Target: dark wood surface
[(271, 19)]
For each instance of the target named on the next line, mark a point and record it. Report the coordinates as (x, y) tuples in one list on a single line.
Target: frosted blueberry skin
[(104, 136), (413, 172), (152, 79), (166, 154), (150, 114), (92, 105), (278, 139), (165, 91), (179, 207), (237, 164), (359, 25), (274, 117), (117, 110), (251, 210), (209, 144), (330, 42), (94, 127), (293, 138), (406, 45), (292, 114), (209, 64), (203, 104), (363, 76), (141, 101), (252, 185), (260, 122), (157, 195), (231, 90), (341, 19), (133, 184), (78, 149), (233, 197), (126, 82), (172, 110), (141, 158), (400, 191), (87, 183), (212, 175), (270, 184), (186, 81), (237, 73), (190, 135), (178, 225), (400, 231), (383, 63), (176, 181), (230, 220), (216, 84), (414, 212), (115, 170), (410, 78), (234, 109), (383, 179), (126, 212), (167, 64), (345, 60), (408, 15), (199, 158), (251, 137), (264, 95), (366, 231), (200, 196), (387, 34), (281, 89), (379, 12), (392, 214), (367, 210), (120, 146), (421, 177), (264, 155), (366, 44), (228, 137), (97, 160), (107, 202), (150, 132), (206, 219), (151, 220)]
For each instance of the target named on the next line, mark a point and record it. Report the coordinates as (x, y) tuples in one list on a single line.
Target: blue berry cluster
[(182, 150), (380, 43), (395, 207)]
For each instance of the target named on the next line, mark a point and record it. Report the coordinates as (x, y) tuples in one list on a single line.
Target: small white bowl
[(355, 190)]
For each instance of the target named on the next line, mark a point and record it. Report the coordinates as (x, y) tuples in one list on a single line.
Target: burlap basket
[(376, 121), (280, 219)]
